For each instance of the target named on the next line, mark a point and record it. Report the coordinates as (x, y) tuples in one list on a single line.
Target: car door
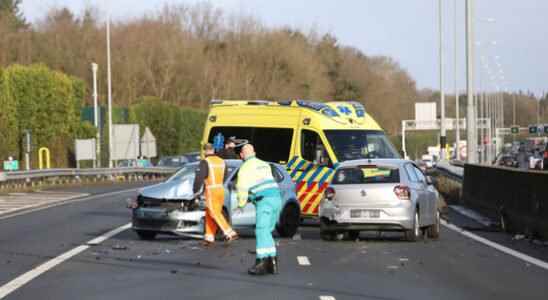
[(417, 188), (247, 217), (428, 196)]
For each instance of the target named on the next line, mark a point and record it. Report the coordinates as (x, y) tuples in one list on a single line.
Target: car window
[(411, 173), (420, 175), (311, 145), (367, 174)]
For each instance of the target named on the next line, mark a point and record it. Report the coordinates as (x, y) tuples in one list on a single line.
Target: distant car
[(379, 195), (507, 160), (170, 207), (126, 163), (173, 161)]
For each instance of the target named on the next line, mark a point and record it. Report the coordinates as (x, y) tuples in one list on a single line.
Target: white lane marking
[(73, 200), (25, 278), (327, 298), (514, 253), (303, 260)]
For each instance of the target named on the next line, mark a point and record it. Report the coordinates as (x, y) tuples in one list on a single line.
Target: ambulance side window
[(312, 148)]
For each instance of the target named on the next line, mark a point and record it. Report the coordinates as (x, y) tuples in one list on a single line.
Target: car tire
[(433, 230), (353, 235), (146, 234), (413, 234), (290, 218)]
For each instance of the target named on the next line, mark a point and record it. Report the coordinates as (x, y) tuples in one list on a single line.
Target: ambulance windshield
[(359, 144)]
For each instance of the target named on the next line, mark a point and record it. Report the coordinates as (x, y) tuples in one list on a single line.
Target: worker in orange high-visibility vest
[(210, 174)]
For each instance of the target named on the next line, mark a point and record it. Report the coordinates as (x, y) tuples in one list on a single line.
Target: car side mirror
[(430, 180)]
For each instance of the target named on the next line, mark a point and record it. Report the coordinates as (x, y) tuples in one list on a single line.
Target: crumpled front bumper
[(186, 223)]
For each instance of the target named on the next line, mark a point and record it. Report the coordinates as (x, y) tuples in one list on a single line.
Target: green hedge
[(8, 121), (177, 130), (47, 103)]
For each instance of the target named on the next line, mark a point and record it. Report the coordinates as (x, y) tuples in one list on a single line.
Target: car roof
[(377, 161)]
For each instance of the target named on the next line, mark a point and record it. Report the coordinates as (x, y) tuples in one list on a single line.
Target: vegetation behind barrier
[(177, 129)]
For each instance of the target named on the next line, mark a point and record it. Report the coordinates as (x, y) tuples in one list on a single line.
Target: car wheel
[(433, 231), (146, 234), (289, 221), (413, 234), (353, 235)]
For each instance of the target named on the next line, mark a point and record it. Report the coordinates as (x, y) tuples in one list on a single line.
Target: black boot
[(273, 265), (260, 267)]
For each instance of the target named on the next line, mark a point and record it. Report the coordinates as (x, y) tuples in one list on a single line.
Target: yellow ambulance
[(308, 137)]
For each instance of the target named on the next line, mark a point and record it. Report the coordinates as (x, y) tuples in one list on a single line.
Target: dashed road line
[(303, 260), (25, 278), (514, 253), (327, 298)]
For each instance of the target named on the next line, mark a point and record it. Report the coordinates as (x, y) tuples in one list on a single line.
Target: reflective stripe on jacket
[(216, 171), (254, 176)]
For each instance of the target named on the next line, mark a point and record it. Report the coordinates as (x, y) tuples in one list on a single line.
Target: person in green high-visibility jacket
[(257, 185)]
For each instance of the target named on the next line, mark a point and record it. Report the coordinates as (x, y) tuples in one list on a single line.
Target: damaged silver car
[(170, 207)]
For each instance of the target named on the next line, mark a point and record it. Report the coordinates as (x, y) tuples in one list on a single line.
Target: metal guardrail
[(41, 174), (453, 169)]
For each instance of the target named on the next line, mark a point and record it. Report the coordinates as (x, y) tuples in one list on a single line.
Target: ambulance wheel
[(290, 218)]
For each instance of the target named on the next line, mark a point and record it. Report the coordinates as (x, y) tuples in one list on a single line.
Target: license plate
[(365, 213), (153, 214)]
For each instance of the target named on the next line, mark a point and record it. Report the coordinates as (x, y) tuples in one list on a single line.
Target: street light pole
[(94, 68), (442, 93), (471, 119), (457, 106), (109, 94)]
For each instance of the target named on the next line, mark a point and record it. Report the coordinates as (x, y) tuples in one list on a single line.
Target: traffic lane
[(453, 267), (534, 248), (172, 267), (30, 239), (373, 268)]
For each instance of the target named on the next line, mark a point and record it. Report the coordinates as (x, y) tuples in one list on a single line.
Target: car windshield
[(367, 174), (359, 144), (185, 171)]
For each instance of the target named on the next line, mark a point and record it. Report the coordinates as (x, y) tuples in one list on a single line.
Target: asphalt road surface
[(124, 267)]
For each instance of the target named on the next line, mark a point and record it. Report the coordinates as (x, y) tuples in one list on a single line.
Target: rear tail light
[(402, 192), (330, 193), (546, 154)]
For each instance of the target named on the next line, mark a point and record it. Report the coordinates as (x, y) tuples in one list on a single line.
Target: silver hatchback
[(380, 195)]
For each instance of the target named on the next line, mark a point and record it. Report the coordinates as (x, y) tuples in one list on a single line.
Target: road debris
[(119, 247), (173, 271), (518, 237)]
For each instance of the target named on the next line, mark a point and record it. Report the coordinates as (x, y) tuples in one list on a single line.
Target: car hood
[(170, 190)]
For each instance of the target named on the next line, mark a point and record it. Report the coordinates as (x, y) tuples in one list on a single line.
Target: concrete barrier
[(518, 199)]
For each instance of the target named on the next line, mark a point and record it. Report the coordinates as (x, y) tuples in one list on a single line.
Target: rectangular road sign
[(515, 129)]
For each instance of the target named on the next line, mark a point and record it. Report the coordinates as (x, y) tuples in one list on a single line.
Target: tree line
[(184, 55)]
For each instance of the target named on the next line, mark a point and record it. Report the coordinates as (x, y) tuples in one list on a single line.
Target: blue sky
[(406, 30)]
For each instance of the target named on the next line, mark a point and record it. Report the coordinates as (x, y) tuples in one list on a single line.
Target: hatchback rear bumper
[(391, 218)]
